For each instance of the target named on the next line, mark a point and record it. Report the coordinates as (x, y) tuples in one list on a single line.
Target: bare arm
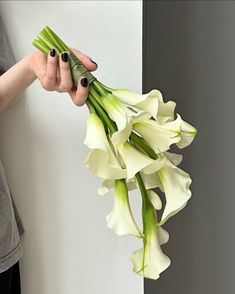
[(14, 82)]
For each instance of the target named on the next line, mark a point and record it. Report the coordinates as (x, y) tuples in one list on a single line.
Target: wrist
[(28, 62)]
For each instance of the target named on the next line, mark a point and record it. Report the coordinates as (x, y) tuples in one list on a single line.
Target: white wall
[(67, 247)]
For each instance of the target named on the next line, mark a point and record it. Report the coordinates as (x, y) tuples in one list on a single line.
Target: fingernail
[(93, 61), (84, 82), (65, 56), (52, 52)]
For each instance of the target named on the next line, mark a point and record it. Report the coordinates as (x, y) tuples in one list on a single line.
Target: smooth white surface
[(67, 247)]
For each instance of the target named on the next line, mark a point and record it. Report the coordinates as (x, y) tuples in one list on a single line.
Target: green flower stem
[(55, 39), (103, 115), (42, 38), (100, 89), (95, 95), (148, 211), (90, 106), (142, 143), (110, 90), (41, 46)]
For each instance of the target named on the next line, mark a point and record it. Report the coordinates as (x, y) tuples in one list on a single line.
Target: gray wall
[(189, 54)]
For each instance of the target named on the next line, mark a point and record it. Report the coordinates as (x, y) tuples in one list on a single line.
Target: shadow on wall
[(189, 54)]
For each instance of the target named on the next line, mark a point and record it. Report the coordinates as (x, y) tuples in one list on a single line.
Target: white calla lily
[(175, 183), (121, 219), (147, 102), (101, 160), (134, 160), (150, 261), (155, 199), (187, 133), (159, 137)]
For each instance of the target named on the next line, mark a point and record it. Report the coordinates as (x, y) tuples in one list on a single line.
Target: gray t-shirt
[(10, 224)]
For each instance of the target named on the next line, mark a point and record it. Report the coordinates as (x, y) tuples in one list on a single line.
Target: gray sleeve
[(7, 58)]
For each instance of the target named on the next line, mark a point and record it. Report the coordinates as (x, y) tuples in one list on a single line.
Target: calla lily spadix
[(130, 137)]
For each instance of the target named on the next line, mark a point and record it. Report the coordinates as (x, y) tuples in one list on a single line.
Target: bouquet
[(129, 136)]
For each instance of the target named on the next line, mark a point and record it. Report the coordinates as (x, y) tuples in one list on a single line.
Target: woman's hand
[(55, 74)]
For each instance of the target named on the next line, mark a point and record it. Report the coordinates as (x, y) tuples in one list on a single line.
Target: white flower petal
[(121, 219), (109, 184), (123, 134), (176, 184), (101, 161), (134, 160), (165, 112), (150, 261), (116, 110), (163, 235), (151, 181), (155, 166), (155, 200), (173, 157), (106, 185), (159, 137), (188, 133), (97, 161), (95, 135), (148, 102)]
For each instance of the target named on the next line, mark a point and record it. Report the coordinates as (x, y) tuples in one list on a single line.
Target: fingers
[(58, 77), (49, 79), (80, 94), (66, 82), (90, 64)]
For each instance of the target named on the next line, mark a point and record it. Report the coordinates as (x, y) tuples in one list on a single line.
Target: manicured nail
[(93, 61), (65, 56), (84, 82), (52, 52)]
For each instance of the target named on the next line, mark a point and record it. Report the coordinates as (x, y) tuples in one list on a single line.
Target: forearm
[(14, 82)]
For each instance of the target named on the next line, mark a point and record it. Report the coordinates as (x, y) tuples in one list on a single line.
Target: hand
[(56, 75)]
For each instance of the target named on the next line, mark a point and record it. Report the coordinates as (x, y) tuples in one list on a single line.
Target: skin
[(53, 73)]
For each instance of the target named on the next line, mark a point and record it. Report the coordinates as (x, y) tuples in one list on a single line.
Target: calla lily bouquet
[(129, 136)]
